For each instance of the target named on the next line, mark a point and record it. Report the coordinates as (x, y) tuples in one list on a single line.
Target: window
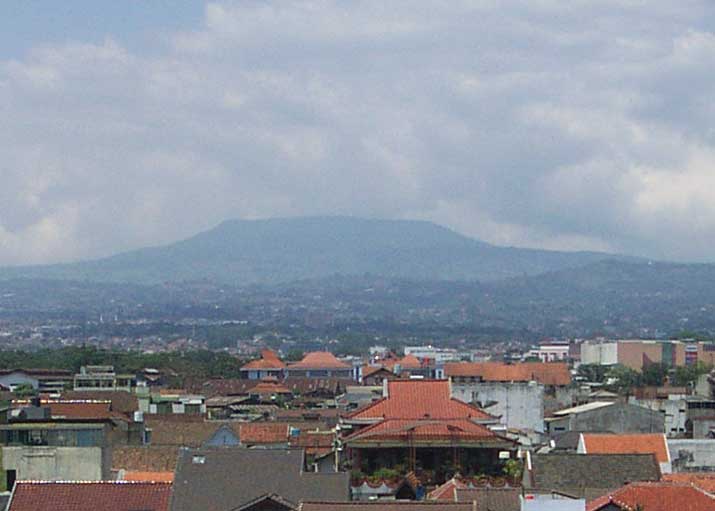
[(10, 476)]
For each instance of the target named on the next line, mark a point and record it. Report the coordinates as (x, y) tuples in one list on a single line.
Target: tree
[(622, 379), (655, 374), (595, 373)]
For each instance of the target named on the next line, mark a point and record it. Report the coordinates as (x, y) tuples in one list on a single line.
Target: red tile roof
[(655, 497), (453, 430), (645, 443), (703, 480), (547, 373), (269, 360), (409, 362), (448, 490), (319, 360), (419, 399), (268, 387), (90, 496)]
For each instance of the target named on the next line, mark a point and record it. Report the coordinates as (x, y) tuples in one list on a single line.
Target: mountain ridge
[(287, 249)]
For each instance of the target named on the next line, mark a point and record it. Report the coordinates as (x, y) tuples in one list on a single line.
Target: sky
[(570, 125)]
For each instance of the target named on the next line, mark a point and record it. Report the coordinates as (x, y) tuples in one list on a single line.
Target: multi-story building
[(93, 378), (638, 353)]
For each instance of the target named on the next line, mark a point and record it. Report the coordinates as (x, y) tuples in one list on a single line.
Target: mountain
[(283, 250)]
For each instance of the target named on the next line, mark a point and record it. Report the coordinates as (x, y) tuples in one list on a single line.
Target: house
[(320, 364), (97, 378), (375, 375), (63, 440), (388, 505), (518, 405), (357, 396), (448, 490), (268, 366), (269, 390), (644, 443), (661, 496), (90, 496), (606, 416), (251, 479), (417, 425), (585, 476)]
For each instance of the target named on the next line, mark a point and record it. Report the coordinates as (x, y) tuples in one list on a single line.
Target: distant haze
[(548, 124), (285, 250)]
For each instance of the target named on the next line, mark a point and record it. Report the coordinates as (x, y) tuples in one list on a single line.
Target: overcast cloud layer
[(570, 125)]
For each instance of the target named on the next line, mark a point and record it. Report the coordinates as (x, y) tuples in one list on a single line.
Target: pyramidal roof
[(319, 360)]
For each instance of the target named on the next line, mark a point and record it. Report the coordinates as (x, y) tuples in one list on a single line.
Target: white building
[(600, 353), (550, 352), (439, 355)]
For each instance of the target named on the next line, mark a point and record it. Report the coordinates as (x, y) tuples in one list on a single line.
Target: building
[(650, 443), (605, 416), (170, 401), (420, 427), (585, 476), (438, 355), (95, 378), (549, 375), (518, 405), (63, 440), (638, 353), (90, 496), (599, 353), (251, 479), (268, 366), (552, 352), (41, 380), (661, 496), (320, 364), (690, 455)]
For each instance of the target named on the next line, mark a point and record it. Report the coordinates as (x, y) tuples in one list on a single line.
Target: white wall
[(520, 405)]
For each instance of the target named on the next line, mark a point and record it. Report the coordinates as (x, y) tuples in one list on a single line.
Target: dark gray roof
[(4, 500), (579, 474), (226, 479), (492, 499)]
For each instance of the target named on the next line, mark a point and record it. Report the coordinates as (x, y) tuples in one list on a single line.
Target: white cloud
[(585, 125)]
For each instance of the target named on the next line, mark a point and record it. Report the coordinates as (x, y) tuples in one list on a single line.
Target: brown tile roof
[(643, 443), (80, 410), (264, 433), (90, 496), (167, 477), (196, 434), (502, 499), (122, 402), (269, 388), (145, 458), (655, 497), (315, 443), (319, 360), (394, 505), (453, 430), (703, 480), (269, 360), (236, 387), (547, 373), (419, 399), (584, 475)]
